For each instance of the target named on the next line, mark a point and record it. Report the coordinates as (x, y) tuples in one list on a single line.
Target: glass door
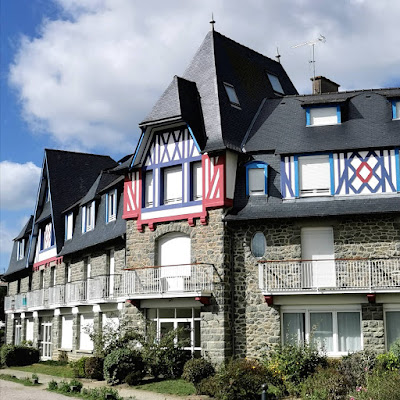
[(46, 341)]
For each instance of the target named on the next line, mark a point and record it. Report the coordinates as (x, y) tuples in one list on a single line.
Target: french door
[(46, 341)]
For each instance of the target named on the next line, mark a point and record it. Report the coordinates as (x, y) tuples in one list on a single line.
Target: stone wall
[(373, 327)]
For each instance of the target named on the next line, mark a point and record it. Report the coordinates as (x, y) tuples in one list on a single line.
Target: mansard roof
[(103, 181), (219, 61), (25, 231), (280, 125)]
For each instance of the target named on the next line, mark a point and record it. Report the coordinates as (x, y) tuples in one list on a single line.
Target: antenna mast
[(312, 43)]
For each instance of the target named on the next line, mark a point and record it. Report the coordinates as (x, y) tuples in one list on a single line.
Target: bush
[(101, 393), (291, 364), (52, 385), (197, 369), (64, 387), (388, 361), (134, 378), (78, 367), (325, 384), (94, 368), (119, 363), (395, 348), (18, 355), (238, 379), (63, 357)]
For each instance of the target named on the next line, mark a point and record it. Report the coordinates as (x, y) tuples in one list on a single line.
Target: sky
[(81, 74)]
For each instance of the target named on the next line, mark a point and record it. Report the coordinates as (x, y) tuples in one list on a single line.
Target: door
[(174, 257), (46, 341), (319, 260)]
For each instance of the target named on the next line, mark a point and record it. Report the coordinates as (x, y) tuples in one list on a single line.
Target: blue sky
[(81, 74)]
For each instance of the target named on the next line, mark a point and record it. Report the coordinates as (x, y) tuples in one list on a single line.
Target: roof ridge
[(341, 92), (77, 152)]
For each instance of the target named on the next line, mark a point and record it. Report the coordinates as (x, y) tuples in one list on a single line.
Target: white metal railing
[(341, 274), (36, 298), (76, 292), (104, 287), (9, 303), (56, 295), (171, 278), (20, 301)]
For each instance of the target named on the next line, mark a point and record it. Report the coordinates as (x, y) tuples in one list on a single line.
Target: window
[(41, 279), (338, 332), (168, 319), (52, 276), (392, 327), (149, 189), (275, 83), (67, 273), (258, 244), (66, 332), (86, 323), (20, 249), (88, 217), (396, 109), (110, 271), (46, 235), (197, 183), (256, 178), (111, 205), (69, 222), (314, 174), (231, 92), (29, 325), (318, 116), (17, 332), (87, 268), (172, 185)]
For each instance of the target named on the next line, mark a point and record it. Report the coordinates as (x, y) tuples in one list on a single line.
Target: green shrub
[(77, 385), (119, 363), (197, 369), (325, 384), (52, 385), (78, 367), (63, 357), (64, 387), (395, 348), (94, 368), (134, 378), (388, 361), (18, 355), (291, 364), (101, 393), (239, 379)]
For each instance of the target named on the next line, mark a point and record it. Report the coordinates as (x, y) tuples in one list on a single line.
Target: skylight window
[(231, 92), (275, 83)]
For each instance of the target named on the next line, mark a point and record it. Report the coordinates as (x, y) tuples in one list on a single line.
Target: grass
[(177, 387), (23, 381), (53, 368)]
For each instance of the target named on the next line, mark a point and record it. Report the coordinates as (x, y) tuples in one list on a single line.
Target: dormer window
[(172, 185), (46, 235), (20, 249), (256, 178), (396, 109), (275, 83), (69, 228), (314, 172), (88, 217), (231, 92), (111, 205), (318, 116)]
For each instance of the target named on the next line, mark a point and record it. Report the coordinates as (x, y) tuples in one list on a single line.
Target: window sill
[(49, 248), (84, 351)]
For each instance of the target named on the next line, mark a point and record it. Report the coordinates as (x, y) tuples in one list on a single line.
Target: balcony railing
[(9, 303), (355, 275), (168, 279)]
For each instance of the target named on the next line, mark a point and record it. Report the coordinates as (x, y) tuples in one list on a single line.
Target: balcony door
[(174, 257), (319, 259)]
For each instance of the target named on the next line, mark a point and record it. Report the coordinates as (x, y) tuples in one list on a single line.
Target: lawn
[(53, 368), (177, 387)]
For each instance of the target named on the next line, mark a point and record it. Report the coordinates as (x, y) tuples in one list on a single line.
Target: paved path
[(124, 390), (16, 391)]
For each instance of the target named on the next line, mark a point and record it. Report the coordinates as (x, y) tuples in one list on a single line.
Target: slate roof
[(367, 122), (19, 265), (218, 60)]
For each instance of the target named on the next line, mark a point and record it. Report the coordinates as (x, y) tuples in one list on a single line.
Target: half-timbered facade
[(247, 214)]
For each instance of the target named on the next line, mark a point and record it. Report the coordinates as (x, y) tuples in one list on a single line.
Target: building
[(248, 214)]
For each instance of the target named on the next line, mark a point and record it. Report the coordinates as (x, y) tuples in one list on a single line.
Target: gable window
[(314, 175), (256, 178), (197, 183), (318, 116), (88, 217), (149, 189), (46, 236), (111, 205), (20, 249), (231, 92), (396, 109), (275, 83), (172, 185), (69, 222)]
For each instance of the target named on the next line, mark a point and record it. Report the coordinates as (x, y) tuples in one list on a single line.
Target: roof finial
[(212, 22)]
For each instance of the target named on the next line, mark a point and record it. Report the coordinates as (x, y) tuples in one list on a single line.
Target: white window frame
[(17, 332), (111, 206), (88, 217), (232, 95), (334, 310), (197, 180), (275, 83), (69, 225), (20, 249), (323, 116), (316, 191), (177, 194), (149, 188), (389, 308)]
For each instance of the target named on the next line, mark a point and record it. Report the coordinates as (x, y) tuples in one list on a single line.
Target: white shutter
[(323, 116), (197, 181), (29, 329), (66, 332), (85, 343), (83, 219), (92, 210), (69, 225), (148, 189), (256, 181), (314, 174), (398, 110), (173, 185)]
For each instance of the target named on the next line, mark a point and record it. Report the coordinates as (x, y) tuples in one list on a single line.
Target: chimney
[(320, 85)]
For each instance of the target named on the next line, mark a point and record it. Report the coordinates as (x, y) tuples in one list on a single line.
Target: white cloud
[(18, 185), (6, 238), (93, 74)]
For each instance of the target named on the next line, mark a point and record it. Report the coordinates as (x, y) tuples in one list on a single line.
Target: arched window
[(258, 244)]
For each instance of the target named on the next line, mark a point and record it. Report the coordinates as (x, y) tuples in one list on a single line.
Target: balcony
[(169, 281), (329, 276)]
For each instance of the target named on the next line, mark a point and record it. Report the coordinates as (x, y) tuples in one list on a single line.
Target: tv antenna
[(312, 43)]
